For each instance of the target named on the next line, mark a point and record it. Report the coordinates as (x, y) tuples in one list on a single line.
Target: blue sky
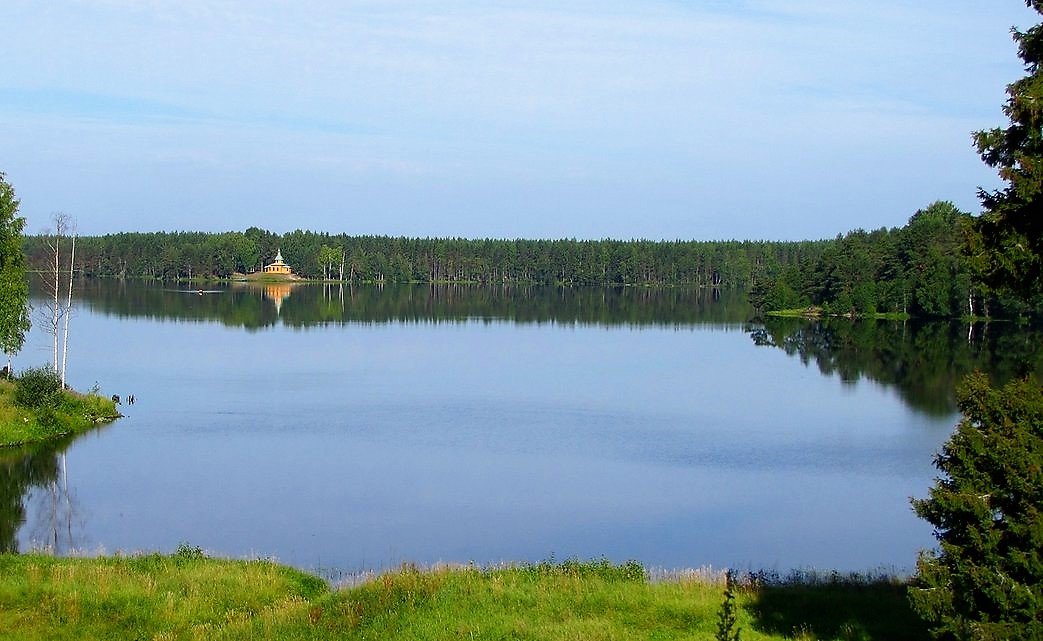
[(761, 119)]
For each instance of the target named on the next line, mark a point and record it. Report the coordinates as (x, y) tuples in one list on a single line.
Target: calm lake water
[(350, 429)]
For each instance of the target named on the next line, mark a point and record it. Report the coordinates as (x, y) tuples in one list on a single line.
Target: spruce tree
[(1012, 222), (985, 581)]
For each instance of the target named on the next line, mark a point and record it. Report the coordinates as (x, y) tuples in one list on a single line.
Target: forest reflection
[(923, 361), (263, 305)]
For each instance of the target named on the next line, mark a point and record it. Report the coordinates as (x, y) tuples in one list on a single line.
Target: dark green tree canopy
[(986, 579), (1012, 223), (14, 288)]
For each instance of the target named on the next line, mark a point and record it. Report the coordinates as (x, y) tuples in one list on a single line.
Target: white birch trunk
[(68, 310), (57, 289)]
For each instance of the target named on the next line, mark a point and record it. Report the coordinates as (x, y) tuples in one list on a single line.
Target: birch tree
[(14, 288), (58, 305)]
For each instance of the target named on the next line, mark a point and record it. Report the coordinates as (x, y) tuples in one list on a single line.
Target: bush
[(186, 552), (38, 387)]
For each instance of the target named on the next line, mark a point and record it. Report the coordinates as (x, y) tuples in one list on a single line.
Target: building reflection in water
[(277, 293)]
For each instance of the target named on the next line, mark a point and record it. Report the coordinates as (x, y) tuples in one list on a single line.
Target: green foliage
[(1012, 225), (986, 579), (63, 414), (931, 267), (384, 259), (327, 258), (925, 269), (933, 248), (727, 622), (602, 569), (38, 387), (14, 287), (772, 294), (186, 552)]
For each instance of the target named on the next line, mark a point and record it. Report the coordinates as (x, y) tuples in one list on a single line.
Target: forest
[(926, 268), (376, 259)]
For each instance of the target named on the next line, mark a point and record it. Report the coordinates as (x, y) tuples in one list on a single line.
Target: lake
[(346, 429)]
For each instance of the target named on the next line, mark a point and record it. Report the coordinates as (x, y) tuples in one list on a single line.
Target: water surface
[(358, 428)]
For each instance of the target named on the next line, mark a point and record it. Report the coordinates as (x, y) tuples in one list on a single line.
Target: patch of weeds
[(630, 571)]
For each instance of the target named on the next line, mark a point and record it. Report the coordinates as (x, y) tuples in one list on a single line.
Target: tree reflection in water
[(259, 306), (34, 489), (923, 361)]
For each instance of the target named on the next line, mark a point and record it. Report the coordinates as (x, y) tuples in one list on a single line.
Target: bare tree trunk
[(55, 310), (68, 310), (55, 307)]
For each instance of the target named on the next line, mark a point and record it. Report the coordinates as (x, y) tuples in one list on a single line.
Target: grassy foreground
[(189, 596), (70, 413)]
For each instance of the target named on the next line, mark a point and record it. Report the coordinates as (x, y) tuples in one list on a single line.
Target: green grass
[(188, 596), (150, 597), (73, 413)]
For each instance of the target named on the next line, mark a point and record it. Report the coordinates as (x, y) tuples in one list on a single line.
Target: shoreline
[(70, 414), (188, 594)]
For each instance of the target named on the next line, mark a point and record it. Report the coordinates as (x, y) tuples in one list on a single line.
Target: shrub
[(38, 387), (186, 552), (727, 619)]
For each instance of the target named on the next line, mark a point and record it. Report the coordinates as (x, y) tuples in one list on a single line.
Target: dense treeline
[(180, 255), (928, 268), (932, 267)]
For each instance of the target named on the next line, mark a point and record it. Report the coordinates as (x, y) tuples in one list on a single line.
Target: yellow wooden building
[(278, 266)]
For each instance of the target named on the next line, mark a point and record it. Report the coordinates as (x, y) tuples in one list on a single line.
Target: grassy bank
[(62, 414), (188, 596)]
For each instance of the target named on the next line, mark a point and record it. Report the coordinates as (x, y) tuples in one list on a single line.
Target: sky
[(657, 119)]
